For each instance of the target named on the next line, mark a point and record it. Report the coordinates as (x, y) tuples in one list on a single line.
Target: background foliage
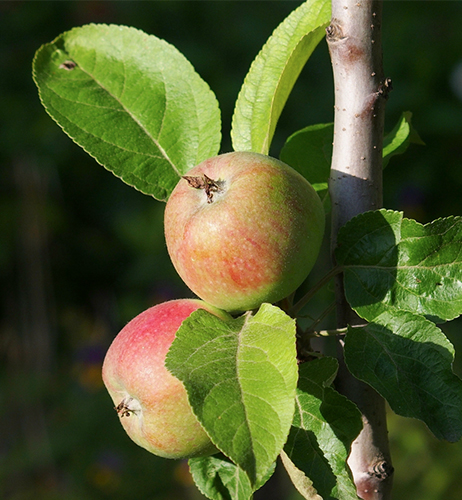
[(81, 253)]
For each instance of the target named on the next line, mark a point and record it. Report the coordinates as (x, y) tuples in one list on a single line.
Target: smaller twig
[(315, 354), (333, 332), (328, 333), (318, 320), (304, 350), (314, 290)]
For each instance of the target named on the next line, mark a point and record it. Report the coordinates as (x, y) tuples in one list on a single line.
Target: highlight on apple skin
[(152, 404), (242, 229)]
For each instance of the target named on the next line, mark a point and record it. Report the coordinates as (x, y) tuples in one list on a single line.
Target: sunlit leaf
[(273, 74), (240, 376), (132, 101)]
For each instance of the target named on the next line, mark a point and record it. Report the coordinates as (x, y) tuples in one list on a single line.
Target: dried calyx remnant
[(123, 408), (206, 183)]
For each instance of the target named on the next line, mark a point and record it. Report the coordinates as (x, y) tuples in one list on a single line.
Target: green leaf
[(408, 360), (325, 424), (399, 139), (240, 376), (302, 483), (219, 479), (132, 101), (273, 74), (309, 151), (391, 263)]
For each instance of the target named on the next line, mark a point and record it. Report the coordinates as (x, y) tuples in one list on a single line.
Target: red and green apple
[(152, 404), (242, 229)]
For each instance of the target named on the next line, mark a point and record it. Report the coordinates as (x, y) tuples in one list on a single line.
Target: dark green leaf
[(240, 377), (132, 101), (302, 483), (391, 263), (309, 151), (325, 424), (273, 74), (408, 360)]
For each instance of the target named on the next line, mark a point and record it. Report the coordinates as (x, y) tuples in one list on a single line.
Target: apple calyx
[(206, 183), (126, 407)]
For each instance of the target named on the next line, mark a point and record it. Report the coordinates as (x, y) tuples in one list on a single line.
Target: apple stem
[(324, 314), (206, 183)]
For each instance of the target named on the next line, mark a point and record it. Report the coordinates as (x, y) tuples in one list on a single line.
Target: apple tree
[(260, 382)]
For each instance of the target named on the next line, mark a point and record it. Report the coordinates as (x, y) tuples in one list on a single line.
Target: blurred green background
[(81, 253)]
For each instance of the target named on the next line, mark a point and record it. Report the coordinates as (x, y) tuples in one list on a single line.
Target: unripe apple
[(152, 404), (242, 229)]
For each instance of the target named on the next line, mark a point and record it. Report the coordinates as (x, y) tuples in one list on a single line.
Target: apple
[(152, 404), (242, 229)]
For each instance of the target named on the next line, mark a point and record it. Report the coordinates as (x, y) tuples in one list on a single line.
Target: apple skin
[(254, 240), (152, 404)]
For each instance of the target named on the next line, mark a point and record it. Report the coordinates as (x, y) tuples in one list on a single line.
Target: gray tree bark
[(354, 39)]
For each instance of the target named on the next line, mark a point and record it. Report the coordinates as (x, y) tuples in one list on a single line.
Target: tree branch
[(354, 39)]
